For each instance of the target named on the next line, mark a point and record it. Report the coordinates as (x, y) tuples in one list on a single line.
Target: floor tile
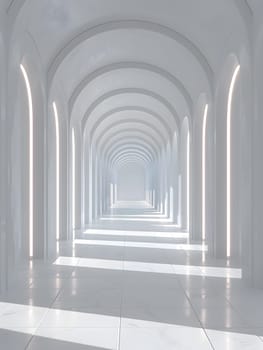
[(134, 317), (14, 316), (141, 287), (75, 339), (15, 340), (234, 341), (168, 338), (67, 319)]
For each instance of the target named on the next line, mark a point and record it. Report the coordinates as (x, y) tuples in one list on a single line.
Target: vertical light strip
[(90, 186), (73, 182), (188, 180), (31, 162), (83, 185), (166, 203), (171, 203), (57, 172), (111, 194), (115, 194), (179, 216), (229, 112), (204, 174)]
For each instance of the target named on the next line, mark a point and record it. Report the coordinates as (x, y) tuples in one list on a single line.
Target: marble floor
[(131, 282)]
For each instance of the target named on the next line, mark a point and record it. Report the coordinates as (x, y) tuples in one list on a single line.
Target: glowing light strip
[(83, 215), (57, 171), (73, 182), (229, 112), (115, 193), (188, 180), (179, 216), (90, 172), (204, 174), (111, 194), (31, 162), (171, 214)]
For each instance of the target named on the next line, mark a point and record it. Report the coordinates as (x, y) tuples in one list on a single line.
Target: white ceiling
[(139, 55)]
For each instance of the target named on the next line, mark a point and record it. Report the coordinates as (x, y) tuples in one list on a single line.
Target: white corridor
[(131, 167)]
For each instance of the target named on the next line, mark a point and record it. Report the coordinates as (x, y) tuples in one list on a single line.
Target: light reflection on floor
[(131, 290), (205, 271), (170, 246), (103, 331), (141, 233)]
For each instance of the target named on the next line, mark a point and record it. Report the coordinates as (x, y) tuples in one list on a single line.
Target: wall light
[(31, 162), (111, 194), (166, 203), (115, 193), (179, 216), (188, 180), (171, 203), (229, 112), (90, 187), (57, 172), (73, 182), (204, 174)]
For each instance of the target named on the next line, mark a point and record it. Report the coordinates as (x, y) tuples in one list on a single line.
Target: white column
[(4, 166)]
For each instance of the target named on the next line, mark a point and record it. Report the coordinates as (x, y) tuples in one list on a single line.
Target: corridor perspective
[(131, 157)]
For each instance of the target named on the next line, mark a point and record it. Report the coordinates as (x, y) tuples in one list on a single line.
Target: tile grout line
[(46, 312), (58, 294), (29, 342), (208, 338), (183, 289), (37, 327), (239, 313), (122, 294), (201, 326)]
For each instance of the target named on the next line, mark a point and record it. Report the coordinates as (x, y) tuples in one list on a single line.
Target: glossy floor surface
[(132, 282)]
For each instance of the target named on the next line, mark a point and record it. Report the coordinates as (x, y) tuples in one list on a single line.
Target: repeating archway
[(127, 65), (138, 91), (128, 24), (145, 142)]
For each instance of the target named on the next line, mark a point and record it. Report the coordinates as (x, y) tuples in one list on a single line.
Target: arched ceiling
[(131, 69), (55, 24)]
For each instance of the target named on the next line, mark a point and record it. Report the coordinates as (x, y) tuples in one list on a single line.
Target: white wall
[(131, 182)]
